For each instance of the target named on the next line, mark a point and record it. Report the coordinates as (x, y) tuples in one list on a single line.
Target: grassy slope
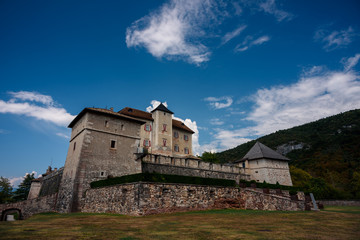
[(333, 152), (333, 223)]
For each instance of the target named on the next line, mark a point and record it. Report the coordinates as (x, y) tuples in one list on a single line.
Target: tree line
[(8, 194)]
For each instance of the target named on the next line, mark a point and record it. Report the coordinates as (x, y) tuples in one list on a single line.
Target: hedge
[(270, 186), (163, 178)]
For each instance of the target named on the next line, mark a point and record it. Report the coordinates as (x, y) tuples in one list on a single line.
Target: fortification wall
[(151, 198), (190, 167), (50, 183), (30, 207)]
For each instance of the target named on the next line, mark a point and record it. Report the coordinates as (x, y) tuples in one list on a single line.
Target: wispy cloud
[(174, 30), (335, 39), (351, 62), (32, 104), (181, 29), (318, 93), (311, 98), (230, 35), (249, 41), (270, 7), (63, 135), (216, 121), (219, 103)]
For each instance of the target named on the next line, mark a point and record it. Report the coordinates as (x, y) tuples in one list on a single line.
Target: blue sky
[(232, 70)]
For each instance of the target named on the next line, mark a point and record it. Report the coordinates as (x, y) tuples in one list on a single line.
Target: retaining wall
[(145, 198), (30, 207)]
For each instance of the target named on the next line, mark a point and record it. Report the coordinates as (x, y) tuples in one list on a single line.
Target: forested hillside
[(328, 149)]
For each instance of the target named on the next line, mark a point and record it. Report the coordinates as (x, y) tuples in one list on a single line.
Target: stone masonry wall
[(50, 183), (32, 206), (191, 167), (187, 171), (151, 198)]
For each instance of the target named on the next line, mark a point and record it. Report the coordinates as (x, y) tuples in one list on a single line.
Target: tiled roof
[(136, 113), (103, 111), (161, 107), (181, 125), (259, 151)]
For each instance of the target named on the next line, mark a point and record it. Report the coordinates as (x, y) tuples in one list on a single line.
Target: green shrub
[(163, 178)]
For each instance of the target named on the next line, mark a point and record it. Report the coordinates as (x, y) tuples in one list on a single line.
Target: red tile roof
[(132, 112), (106, 112), (181, 125)]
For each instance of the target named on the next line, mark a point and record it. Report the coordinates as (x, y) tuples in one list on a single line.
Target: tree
[(5, 190), (210, 157), (24, 188)]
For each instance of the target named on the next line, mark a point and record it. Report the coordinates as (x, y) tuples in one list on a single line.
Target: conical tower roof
[(259, 151), (161, 107)]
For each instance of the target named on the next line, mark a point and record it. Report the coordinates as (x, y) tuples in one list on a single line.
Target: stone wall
[(50, 183), (30, 207), (151, 198), (191, 167), (187, 171), (340, 202)]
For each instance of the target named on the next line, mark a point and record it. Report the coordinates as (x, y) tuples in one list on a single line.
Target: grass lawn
[(331, 223)]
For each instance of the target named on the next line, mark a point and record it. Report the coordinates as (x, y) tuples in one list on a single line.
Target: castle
[(106, 144)]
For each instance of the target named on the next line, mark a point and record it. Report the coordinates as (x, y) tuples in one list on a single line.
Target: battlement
[(191, 166)]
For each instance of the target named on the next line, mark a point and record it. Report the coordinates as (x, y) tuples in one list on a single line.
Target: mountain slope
[(328, 148)]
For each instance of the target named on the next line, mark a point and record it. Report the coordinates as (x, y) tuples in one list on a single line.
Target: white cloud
[(317, 94), (63, 135), (15, 181), (47, 112), (229, 139), (216, 121), (219, 103), (155, 104), (33, 96), (230, 35), (174, 30), (270, 7), (249, 42), (351, 62), (311, 98), (335, 39)]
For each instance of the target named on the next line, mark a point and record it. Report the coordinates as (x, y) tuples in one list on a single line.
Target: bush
[(163, 178)]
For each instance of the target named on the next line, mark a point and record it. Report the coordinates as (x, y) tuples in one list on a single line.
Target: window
[(122, 127), (147, 143), (176, 134), (164, 142), (164, 127), (106, 124), (186, 137), (102, 174), (147, 127), (186, 150), (74, 146), (243, 165), (113, 144), (176, 148)]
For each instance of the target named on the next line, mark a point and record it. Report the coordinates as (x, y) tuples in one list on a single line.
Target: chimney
[(112, 109)]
